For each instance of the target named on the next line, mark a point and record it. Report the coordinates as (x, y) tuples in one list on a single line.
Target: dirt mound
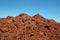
[(25, 27)]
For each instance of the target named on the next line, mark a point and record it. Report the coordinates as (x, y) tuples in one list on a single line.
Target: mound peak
[(25, 27)]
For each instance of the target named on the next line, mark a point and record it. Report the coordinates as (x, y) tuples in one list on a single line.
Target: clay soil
[(25, 27)]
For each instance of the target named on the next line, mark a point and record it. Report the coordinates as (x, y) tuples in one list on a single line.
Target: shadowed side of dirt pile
[(25, 27)]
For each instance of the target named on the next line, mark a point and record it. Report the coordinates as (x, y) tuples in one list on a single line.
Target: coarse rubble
[(25, 27)]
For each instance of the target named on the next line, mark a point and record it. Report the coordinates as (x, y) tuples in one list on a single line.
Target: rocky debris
[(25, 27)]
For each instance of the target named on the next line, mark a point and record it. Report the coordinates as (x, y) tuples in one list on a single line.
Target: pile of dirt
[(25, 27)]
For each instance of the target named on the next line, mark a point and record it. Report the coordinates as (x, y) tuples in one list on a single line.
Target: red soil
[(25, 27)]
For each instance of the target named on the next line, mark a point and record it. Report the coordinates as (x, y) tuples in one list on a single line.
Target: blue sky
[(47, 8)]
